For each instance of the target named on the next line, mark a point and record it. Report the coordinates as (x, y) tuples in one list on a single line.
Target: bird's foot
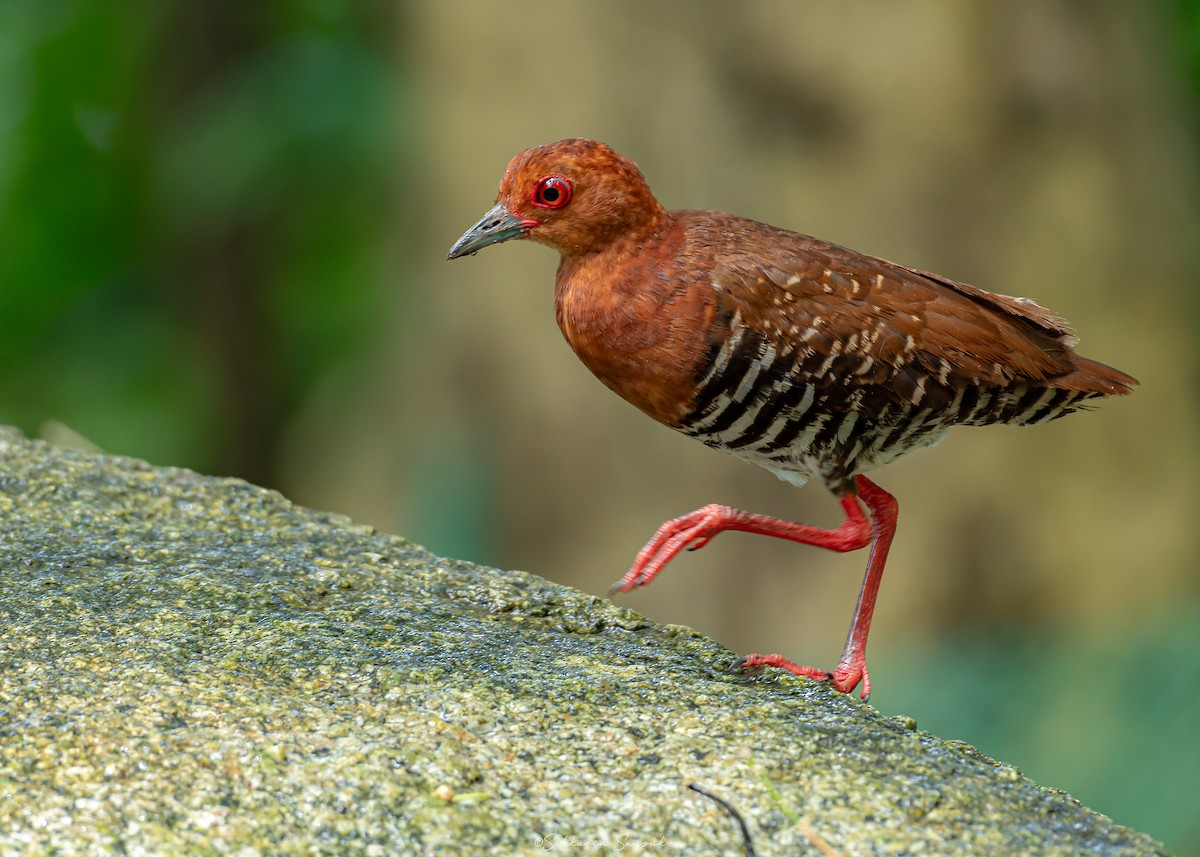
[(844, 678), (695, 529)]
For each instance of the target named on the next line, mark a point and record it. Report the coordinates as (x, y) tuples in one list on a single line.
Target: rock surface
[(195, 665)]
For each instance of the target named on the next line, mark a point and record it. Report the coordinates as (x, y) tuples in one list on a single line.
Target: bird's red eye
[(552, 192)]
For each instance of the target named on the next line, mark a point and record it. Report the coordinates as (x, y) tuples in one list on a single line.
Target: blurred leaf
[(124, 162)]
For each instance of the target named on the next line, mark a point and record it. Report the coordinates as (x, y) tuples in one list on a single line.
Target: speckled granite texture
[(195, 665)]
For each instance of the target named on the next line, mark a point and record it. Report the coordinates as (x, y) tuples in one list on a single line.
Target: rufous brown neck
[(632, 320)]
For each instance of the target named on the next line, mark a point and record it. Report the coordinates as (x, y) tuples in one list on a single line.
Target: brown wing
[(875, 334), (1086, 375)]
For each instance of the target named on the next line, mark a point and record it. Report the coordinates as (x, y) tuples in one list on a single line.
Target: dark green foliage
[(192, 198)]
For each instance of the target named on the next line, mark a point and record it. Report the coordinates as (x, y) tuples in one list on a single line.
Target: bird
[(806, 358)]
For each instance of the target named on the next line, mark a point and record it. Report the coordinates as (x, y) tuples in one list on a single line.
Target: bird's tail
[(1096, 378)]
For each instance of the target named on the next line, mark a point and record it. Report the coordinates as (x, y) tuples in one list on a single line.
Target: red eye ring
[(552, 192)]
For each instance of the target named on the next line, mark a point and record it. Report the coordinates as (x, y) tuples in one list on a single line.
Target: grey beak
[(497, 225)]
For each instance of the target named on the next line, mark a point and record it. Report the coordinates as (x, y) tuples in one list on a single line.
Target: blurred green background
[(222, 233)]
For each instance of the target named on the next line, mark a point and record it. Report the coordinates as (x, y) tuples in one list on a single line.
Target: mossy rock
[(195, 665)]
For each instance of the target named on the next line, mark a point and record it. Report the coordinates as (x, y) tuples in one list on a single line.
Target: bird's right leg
[(697, 528), (853, 533), (852, 666)]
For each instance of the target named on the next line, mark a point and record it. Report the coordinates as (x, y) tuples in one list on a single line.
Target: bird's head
[(574, 195)]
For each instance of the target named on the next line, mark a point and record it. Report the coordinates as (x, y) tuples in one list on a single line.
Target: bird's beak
[(497, 225)]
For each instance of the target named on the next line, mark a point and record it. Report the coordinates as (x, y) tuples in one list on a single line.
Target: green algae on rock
[(195, 665)]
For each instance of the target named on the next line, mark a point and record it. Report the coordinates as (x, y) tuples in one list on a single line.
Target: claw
[(740, 666), (688, 532), (844, 677), (697, 529)]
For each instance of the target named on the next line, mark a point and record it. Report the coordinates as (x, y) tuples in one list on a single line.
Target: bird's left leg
[(698, 528)]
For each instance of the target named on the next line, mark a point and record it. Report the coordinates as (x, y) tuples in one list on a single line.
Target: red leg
[(700, 526), (852, 666), (854, 533)]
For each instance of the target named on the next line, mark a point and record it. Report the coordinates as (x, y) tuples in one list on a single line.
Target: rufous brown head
[(573, 195)]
